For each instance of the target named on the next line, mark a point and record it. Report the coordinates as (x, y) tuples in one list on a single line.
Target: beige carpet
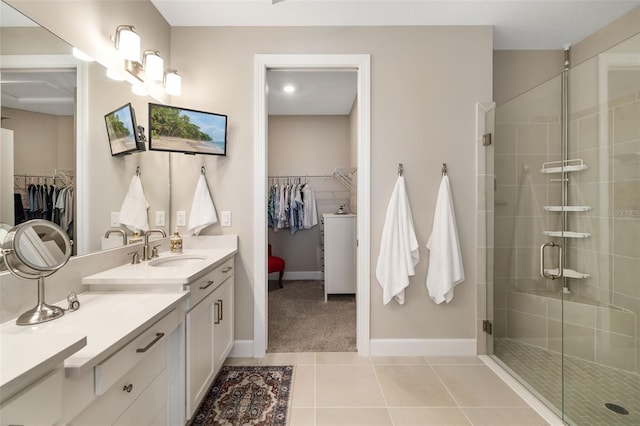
[(300, 320)]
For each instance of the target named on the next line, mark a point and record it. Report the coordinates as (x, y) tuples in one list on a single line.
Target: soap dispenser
[(176, 242)]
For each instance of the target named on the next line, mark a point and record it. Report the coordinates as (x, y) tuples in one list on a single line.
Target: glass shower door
[(601, 360), (527, 213)]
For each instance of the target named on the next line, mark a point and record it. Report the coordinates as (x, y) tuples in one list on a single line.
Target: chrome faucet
[(145, 249), (119, 231)]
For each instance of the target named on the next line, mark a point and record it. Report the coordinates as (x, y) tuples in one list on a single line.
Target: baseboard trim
[(391, 347), (298, 275), (423, 347), (242, 349)]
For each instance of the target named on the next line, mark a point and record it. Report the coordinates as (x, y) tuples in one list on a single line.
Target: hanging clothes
[(291, 206)]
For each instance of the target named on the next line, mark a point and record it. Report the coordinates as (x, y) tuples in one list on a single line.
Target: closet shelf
[(567, 234), (569, 273), (564, 165), (567, 208)]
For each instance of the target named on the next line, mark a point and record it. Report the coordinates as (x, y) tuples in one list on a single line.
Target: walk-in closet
[(312, 211)]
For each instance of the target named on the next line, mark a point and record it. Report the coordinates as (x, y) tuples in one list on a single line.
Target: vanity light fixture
[(128, 42), (153, 65), (81, 55), (172, 82)]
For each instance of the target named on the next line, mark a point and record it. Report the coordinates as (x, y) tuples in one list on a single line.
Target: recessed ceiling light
[(289, 88)]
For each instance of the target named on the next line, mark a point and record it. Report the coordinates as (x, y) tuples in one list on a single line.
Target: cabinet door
[(200, 356), (223, 330)]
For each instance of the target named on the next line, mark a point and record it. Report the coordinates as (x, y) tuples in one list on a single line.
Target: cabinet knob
[(128, 388)]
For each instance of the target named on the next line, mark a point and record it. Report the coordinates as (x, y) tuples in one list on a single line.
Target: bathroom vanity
[(143, 348)]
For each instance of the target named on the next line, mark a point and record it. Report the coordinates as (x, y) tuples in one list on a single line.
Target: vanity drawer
[(205, 285), (149, 406), (112, 369), (128, 389)]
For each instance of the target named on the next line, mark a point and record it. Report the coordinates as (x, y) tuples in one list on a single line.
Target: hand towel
[(133, 212), (445, 259), (398, 248), (203, 212)]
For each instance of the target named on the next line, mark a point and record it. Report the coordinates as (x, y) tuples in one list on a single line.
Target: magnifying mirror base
[(39, 314)]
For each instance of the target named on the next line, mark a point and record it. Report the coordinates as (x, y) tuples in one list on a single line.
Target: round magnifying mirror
[(34, 250)]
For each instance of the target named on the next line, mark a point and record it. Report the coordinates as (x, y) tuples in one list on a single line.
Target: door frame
[(362, 64)]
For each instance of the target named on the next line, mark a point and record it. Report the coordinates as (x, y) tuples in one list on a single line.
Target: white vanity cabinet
[(209, 330), (45, 394), (130, 386)]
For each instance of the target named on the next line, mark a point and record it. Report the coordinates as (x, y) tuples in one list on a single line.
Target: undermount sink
[(177, 261)]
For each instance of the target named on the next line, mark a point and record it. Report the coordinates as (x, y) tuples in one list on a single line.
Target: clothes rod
[(299, 176)]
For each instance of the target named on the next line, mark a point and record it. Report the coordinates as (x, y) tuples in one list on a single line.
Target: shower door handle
[(543, 271)]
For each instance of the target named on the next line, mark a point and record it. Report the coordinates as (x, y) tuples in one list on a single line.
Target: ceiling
[(518, 24)]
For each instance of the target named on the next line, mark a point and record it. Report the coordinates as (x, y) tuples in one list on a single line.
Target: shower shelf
[(569, 273), (567, 234), (567, 208), (565, 165)]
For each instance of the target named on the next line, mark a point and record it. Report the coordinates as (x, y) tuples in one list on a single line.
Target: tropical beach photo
[(179, 129), (120, 129)]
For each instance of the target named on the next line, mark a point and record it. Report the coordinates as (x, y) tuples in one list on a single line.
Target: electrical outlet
[(115, 219), (181, 218), (160, 218), (226, 218)]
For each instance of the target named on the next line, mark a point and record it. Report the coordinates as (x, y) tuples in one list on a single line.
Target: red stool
[(276, 264)]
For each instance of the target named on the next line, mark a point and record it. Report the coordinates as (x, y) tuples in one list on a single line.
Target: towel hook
[(400, 169), (202, 171), (444, 169), (138, 171)]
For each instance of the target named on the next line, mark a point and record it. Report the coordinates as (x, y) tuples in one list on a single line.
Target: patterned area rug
[(247, 395)]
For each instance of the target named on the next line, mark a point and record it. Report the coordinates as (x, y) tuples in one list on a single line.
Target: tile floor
[(336, 389)]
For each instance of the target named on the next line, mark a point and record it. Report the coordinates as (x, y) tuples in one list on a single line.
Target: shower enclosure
[(563, 233)]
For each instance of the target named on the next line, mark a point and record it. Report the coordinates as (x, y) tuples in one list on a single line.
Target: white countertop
[(26, 357), (144, 273), (108, 319)]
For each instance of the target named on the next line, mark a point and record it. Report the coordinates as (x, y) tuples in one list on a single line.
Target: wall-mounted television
[(186, 130), (122, 130)]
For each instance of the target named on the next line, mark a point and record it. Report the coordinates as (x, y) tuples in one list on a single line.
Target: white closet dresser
[(339, 243)]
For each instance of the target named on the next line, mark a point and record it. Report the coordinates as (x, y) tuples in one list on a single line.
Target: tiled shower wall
[(605, 133), (606, 136)]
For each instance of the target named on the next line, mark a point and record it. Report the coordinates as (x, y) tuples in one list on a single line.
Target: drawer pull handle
[(128, 388), (217, 320), (221, 311), (204, 287), (153, 342), (227, 269)]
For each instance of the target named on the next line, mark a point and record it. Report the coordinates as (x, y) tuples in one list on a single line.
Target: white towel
[(203, 212), (398, 247), (133, 212), (445, 259)]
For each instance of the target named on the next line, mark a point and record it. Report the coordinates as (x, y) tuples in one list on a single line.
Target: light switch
[(226, 218), (160, 218), (181, 218), (115, 219)]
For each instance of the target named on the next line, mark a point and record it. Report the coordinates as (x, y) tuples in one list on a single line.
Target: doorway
[(360, 64)]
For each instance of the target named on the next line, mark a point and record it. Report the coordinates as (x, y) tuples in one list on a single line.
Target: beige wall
[(516, 71), (308, 145), (425, 84), (42, 148), (31, 41)]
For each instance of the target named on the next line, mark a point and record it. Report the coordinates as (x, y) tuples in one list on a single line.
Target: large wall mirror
[(54, 105)]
